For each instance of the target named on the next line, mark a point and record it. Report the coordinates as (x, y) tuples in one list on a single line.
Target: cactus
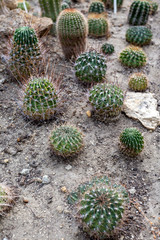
[(107, 48), (68, 2), (21, 5), (25, 55), (97, 7), (153, 7), (110, 3), (66, 141), (40, 99), (64, 5), (72, 32), (131, 142), (97, 25), (50, 8), (107, 101), (6, 198), (90, 67), (133, 57), (138, 82), (139, 12), (139, 35)]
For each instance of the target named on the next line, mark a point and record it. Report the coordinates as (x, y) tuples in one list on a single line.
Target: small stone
[(25, 171), (45, 179), (132, 190), (11, 150), (59, 209), (25, 200), (38, 180), (89, 114), (5, 238), (63, 189), (6, 160), (68, 167)]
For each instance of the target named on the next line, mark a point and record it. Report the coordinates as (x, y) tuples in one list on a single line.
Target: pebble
[(88, 114), (68, 167), (132, 190), (25, 200), (25, 171), (45, 179), (63, 189), (59, 209), (5, 238), (6, 160)]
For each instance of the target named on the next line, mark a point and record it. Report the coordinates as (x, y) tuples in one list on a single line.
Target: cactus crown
[(66, 140), (133, 57), (138, 82), (40, 99), (25, 36), (97, 25), (107, 48), (90, 67), (139, 35), (132, 141), (97, 7)]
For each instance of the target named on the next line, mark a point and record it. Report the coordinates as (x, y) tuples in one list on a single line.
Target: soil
[(41, 211)]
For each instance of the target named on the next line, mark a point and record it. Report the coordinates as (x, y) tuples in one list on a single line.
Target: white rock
[(132, 190), (59, 209), (142, 106), (45, 179), (68, 167), (25, 172)]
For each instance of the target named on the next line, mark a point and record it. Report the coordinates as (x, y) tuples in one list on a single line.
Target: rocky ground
[(42, 211)]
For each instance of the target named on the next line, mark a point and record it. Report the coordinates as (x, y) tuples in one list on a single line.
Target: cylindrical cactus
[(6, 198), (50, 8), (66, 141), (110, 3), (107, 48), (40, 99), (72, 32), (107, 101), (133, 57), (97, 26), (138, 82), (97, 7), (21, 5), (139, 35), (139, 12), (90, 67), (131, 142), (64, 5)]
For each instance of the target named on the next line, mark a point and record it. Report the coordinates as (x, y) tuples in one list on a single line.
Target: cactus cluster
[(131, 142), (133, 57), (72, 32), (21, 5), (90, 67), (40, 99), (97, 25), (6, 198), (110, 3), (139, 12), (107, 101), (66, 141), (107, 48), (138, 82), (97, 7), (139, 35)]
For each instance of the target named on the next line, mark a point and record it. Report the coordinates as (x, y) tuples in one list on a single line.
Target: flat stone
[(68, 167), (25, 171), (142, 106), (45, 179)]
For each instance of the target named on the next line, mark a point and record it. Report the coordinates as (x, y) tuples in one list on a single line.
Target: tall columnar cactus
[(72, 32), (50, 8), (97, 7), (110, 3), (66, 141), (138, 82), (133, 57), (131, 142), (107, 48), (97, 26), (139, 35), (25, 55), (107, 101), (40, 99), (90, 67), (139, 12), (6, 198)]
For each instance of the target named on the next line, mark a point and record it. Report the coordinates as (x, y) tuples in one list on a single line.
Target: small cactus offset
[(90, 67), (64, 5), (98, 26), (138, 82), (107, 101), (6, 198), (139, 35), (21, 5), (40, 99), (97, 7), (139, 12), (131, 142), (107, 48), (72, 32), (133, 57), (66, 141)]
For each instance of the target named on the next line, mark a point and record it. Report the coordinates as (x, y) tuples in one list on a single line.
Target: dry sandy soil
[(24, 144)]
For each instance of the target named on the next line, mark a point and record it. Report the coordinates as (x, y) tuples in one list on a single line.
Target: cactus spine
[(138, 82), (139, 35), (72, 32), (97, 25)]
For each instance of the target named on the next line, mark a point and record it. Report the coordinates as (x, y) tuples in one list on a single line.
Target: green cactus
[(21, 5), (72, 32), (139, 13), (107, 101), (133, 57), (6, 198), (66, 141), (131, 142), (64, 5), (153, 7), (68, 2), (25, 55), (50, 8), (138, 82), (97, 7), (40, 99), (139, 35), (90, 67), (107, 48), (97, 26), (110, 3)]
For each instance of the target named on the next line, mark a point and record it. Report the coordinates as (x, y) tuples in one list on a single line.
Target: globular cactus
[(131, 142), (40, 99), (64, 5), (50, 8), (139, 12), (139, 35), (107, 101), (25, 55), (107, 48), (21, 5), (6, 198), (98, 25), (72, 31), (133, 57), (90, 67), (97, 7), (153, 7), (138, 82), (110, 3), (66, 141)]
